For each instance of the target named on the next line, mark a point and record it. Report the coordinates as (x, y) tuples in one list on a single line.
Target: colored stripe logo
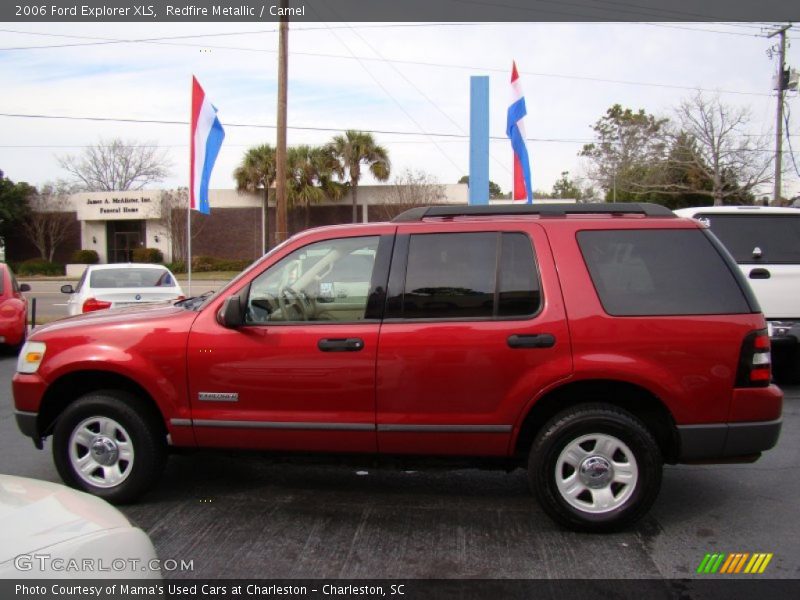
[(734, 563)]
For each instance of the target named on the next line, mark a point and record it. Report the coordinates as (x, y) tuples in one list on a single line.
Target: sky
[(395, 79)]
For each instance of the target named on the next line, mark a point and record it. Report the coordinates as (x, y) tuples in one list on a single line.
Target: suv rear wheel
[(102, 445), (595, 468)]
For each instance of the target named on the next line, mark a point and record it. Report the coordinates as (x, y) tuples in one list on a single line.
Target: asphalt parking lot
[(246, 515)]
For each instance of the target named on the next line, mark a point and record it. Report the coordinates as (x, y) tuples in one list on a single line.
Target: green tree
[(566, 188), (310, 177), (257, 172), (629, 146), (495, 192), (354, 149), (15, 201)]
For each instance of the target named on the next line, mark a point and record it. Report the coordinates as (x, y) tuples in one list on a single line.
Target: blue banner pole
[(479, 140)]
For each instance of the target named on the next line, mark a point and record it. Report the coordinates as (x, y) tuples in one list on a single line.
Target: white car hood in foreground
[(42, 518)]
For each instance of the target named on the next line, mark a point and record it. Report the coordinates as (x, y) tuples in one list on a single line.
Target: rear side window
[(470, 275), (776, 237), (660, 272)]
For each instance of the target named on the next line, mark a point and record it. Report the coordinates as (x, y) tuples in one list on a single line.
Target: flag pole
[(189, 245), (189, 203)]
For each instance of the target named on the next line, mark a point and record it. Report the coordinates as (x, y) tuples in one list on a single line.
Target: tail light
[(754, 361), (92, 304)]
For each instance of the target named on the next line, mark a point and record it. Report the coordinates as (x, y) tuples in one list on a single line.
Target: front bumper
[(727, 442), (26, 422)]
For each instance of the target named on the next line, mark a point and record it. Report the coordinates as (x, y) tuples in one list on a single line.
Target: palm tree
[(302, 172), (257, 172), (353, 149)]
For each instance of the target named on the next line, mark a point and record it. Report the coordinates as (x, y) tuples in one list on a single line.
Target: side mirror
[(24, 287), (67, 289), (231, 314)]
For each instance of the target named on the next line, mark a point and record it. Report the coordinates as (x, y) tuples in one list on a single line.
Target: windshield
[(777, 237)]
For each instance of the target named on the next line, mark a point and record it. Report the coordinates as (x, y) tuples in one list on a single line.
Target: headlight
[(30, 357)]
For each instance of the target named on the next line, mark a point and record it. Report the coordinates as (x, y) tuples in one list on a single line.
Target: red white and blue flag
[(515, 130), (206, 139)]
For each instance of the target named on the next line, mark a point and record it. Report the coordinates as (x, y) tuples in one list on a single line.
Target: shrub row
[(200, 264), (85, 257), (147, 255), (209, 263), (37, 266)]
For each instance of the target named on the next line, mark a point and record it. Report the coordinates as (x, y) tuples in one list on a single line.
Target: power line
[(399, 104), (353, 56), (424, 95), (459, 137)]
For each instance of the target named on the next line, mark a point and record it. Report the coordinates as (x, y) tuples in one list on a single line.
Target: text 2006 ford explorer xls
[(587, 343)]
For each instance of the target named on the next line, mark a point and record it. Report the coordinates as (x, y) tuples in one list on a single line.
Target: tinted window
[(450, 275), (518, 282), (324, 281), (455, 275), (130, 278), (660, 272), (776, 236)]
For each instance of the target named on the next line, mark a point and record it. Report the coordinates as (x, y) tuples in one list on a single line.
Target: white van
[(765, 241)]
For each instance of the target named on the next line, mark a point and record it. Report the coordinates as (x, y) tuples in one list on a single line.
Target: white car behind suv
[(118, 285), (765, 241)]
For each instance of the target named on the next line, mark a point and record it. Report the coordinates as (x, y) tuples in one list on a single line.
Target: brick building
[(114, 223)]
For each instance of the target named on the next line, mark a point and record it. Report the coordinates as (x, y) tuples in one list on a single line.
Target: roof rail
[(545, 210)]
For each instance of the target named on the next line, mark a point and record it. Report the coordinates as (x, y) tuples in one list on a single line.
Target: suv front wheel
[(103, 445), (595, 467)]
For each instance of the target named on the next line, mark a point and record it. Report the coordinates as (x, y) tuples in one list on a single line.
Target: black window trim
[(375, 296), (397, 277)]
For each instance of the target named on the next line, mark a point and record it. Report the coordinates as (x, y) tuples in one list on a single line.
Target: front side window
[(324, 281), (459, 276)]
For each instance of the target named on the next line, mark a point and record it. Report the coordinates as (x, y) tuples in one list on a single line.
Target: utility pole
[(781, 51), (281, 225)]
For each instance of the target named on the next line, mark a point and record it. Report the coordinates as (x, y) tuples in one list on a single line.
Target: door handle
[(760, 274), (537, 340), (340, 344)]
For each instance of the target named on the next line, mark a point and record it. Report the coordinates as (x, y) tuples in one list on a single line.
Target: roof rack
[(545, 210)]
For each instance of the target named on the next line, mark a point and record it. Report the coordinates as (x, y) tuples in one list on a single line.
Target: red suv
[(587, 343)]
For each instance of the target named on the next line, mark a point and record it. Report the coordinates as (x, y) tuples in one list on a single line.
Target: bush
[(176, 267), (37, 266), (202, 264), (86, 257), (147, 255)]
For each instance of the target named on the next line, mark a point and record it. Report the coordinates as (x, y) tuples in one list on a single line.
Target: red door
[(300, 374), (463, 349)]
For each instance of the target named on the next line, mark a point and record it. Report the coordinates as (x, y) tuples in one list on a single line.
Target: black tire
[(137, 430), (608, 423)]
